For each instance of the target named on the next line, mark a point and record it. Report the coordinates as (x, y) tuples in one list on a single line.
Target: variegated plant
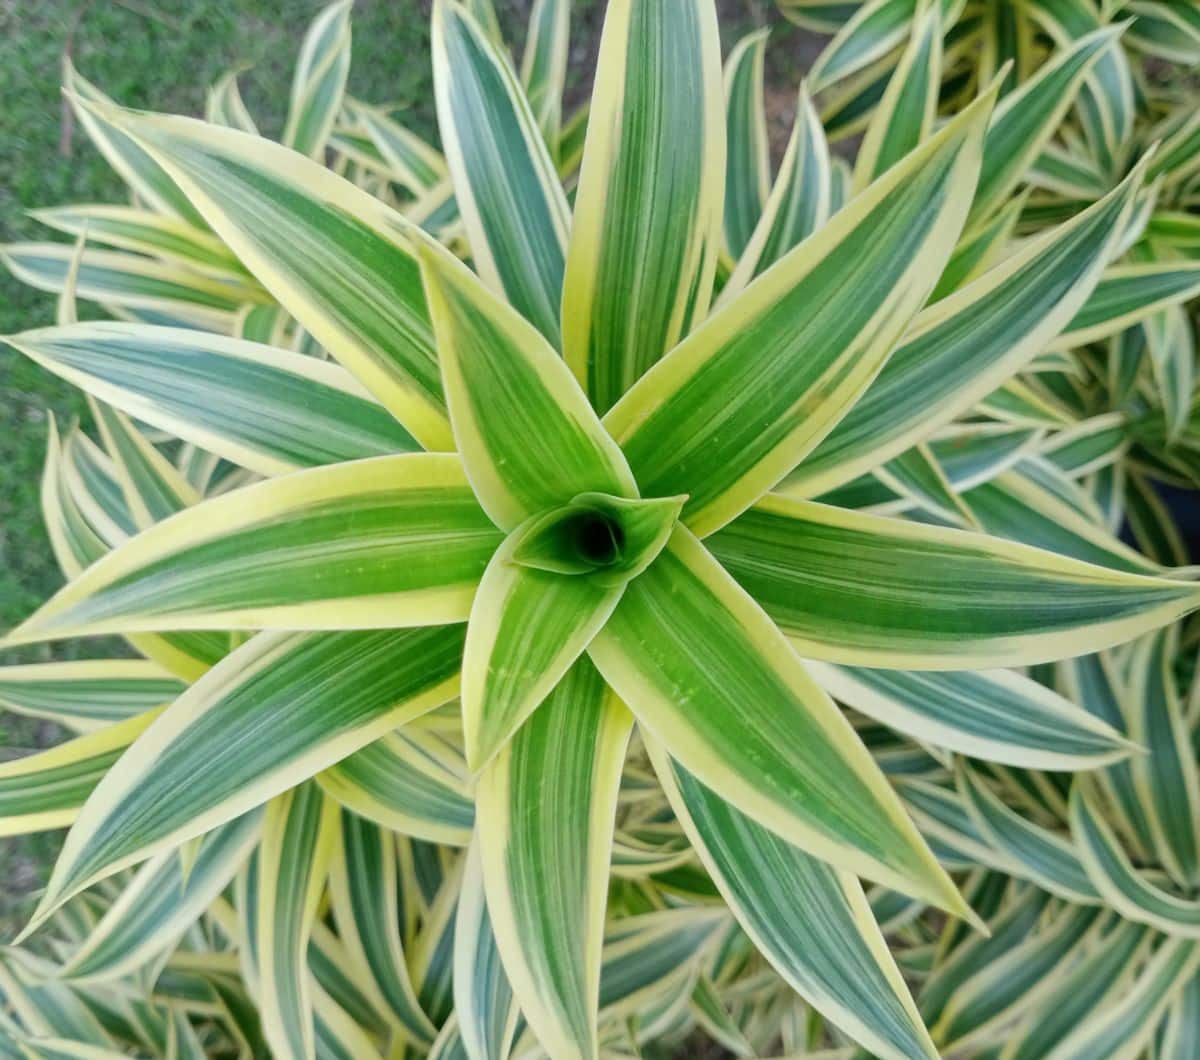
[(536, 680)]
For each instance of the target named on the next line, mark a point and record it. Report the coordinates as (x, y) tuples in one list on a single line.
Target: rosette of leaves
[(533, 506)]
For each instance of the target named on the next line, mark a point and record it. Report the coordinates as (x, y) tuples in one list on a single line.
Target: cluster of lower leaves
[(315, 841)]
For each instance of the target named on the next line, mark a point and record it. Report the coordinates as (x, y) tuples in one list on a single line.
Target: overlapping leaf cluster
[(564, 563)]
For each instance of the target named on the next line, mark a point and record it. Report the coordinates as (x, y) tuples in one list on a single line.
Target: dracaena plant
[(535, 565)]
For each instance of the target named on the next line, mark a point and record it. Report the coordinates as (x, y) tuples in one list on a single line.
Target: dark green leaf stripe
[(855, 588), (507, 188), (278, 710), (812, 922), (263, 408)]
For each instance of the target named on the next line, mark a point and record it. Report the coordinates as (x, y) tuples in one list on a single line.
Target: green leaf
[(265, 409), (1167, 778), (1107, 106), (861, 589), (996, 715), (412, 781), (300, 832), (1079, 997), (1028, 117), (738, 404), (610, 538), (158, 904), (319, 81), (1127, 1027), (45, 790), (512, 202), (140, 230), (799, 204), (1122, 886), (527, 435), (385, 542), (905, 115), (153, 488), (527, 628), (1127, 294), (986, 1001), (484, 1005), (1044, 856), (278, 710), (646, 228), (133, 282), (148, 181), (224, 105), (709, 675), (86, 694), (544, 65), (747, 159), (365, 889), (811, 921), (545, 817), (337, 259), (961, 348)]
